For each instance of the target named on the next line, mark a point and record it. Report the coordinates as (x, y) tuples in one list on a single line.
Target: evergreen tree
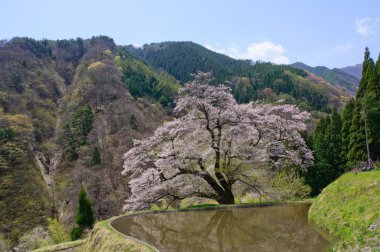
[(357, 147), (95, 157), (364, 79), (82, 124), (334, 137), (75, 133), (347, 115), (316, 176), (85, 216), (327, 147), (371, 105), (133, 122)]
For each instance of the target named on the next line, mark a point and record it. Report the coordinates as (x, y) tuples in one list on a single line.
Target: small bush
[(85, 216), (57, 231), (290, 185), (161, 205), (35, 238), (5, 245), (76, 233)]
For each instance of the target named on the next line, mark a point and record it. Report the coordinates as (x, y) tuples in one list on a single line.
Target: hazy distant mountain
[(335, 76), (354, 70)]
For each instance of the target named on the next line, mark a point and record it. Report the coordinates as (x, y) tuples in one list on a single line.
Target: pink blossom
[(213, 144)]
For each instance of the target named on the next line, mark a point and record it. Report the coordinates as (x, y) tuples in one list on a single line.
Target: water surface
[(270, 228)]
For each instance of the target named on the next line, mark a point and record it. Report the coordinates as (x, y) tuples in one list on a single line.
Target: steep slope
[(349, 208), (118, 118), (355, 71), (335, 76), (61, 103), (29, 90)]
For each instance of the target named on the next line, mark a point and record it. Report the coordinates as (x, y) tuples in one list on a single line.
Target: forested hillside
[(338, 77), (354, 70), (263, 81), (69, 110), (67, 118)]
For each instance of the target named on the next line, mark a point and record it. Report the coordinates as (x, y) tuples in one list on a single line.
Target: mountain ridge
[(335, 76), (181, 58), (355, 70)]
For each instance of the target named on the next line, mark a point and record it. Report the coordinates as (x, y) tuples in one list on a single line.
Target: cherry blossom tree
[(213, 145)]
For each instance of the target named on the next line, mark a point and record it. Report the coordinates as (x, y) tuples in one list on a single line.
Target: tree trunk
[(370, 164), (226, 198)]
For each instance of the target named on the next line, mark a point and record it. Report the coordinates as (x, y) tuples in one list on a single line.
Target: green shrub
[(57, 231), (5, 245), (290, 185), (85, 216), (76, 233)]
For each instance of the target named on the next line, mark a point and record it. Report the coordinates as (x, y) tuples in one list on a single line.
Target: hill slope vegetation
[(263, 81), (338, 77), (349, 209)]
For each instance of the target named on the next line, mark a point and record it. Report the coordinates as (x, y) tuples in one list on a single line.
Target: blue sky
[(330, 33)]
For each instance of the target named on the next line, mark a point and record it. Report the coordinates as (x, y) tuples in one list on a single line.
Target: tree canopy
[(350, 139), (213, 145)]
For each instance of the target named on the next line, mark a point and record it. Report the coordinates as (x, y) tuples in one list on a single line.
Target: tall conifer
[(347, 115), (372, 109), (357, 143)]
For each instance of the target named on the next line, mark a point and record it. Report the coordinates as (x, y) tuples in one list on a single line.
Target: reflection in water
[(273, 228)]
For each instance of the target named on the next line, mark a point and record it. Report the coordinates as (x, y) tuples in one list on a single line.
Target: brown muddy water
[(270, 228)]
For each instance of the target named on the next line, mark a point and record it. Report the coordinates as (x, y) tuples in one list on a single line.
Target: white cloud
[(366, 26), (209, 47), (215, 49), (263, 51), (266, 51), (344, 47)]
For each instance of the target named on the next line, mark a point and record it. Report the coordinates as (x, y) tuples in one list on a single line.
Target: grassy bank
[(349, 208), (102, 238), (69, 246)]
